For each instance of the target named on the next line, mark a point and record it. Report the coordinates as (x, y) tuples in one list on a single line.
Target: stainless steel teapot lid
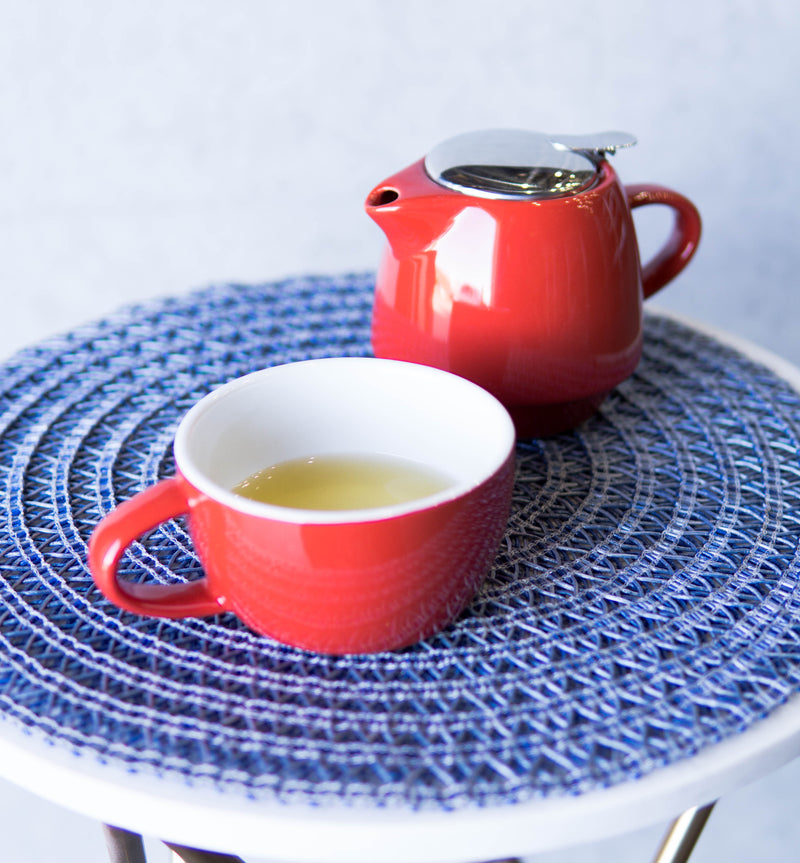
[(509, 163)]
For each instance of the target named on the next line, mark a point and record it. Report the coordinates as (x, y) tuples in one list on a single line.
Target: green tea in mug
[(339, 482)]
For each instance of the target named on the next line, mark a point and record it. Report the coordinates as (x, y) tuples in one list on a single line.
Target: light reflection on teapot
[(513, 261)]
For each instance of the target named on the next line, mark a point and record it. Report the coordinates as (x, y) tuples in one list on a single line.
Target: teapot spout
[(411, 210)]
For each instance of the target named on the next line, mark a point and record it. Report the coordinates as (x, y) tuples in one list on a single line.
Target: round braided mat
[(644, 602)]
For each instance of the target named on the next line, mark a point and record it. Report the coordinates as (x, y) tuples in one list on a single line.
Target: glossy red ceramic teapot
[(513, 261)]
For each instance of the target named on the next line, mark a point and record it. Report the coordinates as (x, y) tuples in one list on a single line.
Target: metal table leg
[(126, 847), (683, 833), (123, 846), (193, 855)]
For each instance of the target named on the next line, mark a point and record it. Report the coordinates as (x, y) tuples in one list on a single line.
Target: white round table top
[(633, 653)]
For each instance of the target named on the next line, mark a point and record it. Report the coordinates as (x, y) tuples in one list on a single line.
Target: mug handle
[(682, 243), (119, 529)]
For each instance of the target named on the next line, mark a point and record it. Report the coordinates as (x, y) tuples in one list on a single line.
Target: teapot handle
[(676, 253)]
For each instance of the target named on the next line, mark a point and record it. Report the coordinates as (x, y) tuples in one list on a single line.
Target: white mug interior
[(342, 406)]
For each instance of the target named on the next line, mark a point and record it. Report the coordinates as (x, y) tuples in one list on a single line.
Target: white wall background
[(148, 148)]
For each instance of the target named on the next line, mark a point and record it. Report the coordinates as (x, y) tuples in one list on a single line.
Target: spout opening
[(382, 196)]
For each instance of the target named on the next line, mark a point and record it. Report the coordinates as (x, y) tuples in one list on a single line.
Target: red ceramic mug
[(512, 260), (334, 581)]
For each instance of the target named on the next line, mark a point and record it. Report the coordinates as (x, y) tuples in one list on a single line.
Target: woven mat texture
[(644, 603)]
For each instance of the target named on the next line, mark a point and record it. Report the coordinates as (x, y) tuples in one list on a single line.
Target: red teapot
[(513, 261)]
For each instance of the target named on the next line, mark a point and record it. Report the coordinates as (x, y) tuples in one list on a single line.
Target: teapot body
[(539, 302)]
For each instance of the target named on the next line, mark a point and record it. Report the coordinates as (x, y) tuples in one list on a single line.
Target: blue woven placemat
[(643, 605)]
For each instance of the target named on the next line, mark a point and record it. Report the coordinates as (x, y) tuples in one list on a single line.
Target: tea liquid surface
[(342, 482)]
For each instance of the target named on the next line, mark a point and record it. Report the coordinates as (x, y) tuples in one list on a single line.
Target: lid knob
[(509, 163)]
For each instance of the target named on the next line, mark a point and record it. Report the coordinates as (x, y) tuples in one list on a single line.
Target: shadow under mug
[(333, 581)]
